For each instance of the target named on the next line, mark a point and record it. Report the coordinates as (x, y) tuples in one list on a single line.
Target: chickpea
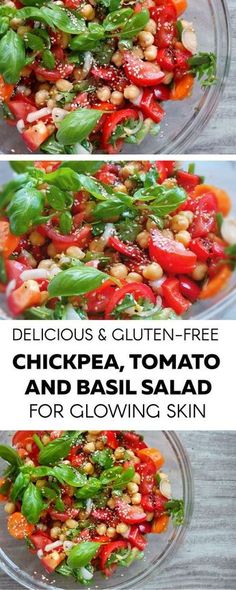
[(101, 529), (45, 439), (132, 488), (103, 93), (119, 271), (117, 59), (111, 532), (23, 30), (97, 245), (88, 468), (88, 12), (89, 447), (78, 74), (119, 453), (71, 523), (151, 26), (122, 528), (131, 92), (111, 503), (150, 225), (150, 53), (29, 462), (45, 264), (128, 169), (64, 85), (9, 507), (179, 223), (143, 239), (168, 78), (119, 188), (153, 271), (200, 271), (117, 97), (136, 478), (126, 498), (91, 437), (183, 237), (41, 97), (136, 499), (138, 52), (145, 39), (189, 215), (75, 252), (55, 532), (99, 445), (64, 40), (51, 250), (51, 103), (134, 277), (150, 516)]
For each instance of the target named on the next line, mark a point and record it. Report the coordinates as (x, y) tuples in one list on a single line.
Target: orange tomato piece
[(6, 90), (2, 497), (160, 524), (153, 454), (222, 197), (18, 526), (217, 283), (181, 6), (183, 88), (8, 242)]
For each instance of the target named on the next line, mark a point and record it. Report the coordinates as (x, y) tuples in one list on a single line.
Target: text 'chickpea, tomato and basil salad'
[(79, 76), (85, 501), (87, 240)]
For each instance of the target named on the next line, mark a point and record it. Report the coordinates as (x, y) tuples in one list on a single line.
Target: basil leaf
[(57, 449), (32, 504), (175, 509), (128, 230), (10, 456), (125, 477), (66, 222), (10, 188), (110, 475), (65, 20), (78, 125), (39, 313), (3, 272), (69, 475), (34, 13), (34, 42), (88, 39), (103, 458), (48, 59), (21, 167), (12, 56), (82, 166), (163, 200), (135, 24), (52, 146), (4, 25), (65, 178), (89, 490), (113, 207), (82, 554), (94, 187), (25, 206), (37, 472), (76, 281), (56, 198), (117, 19), (21, 482)]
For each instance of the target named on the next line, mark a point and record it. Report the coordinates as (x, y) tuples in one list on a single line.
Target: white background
[(220, 403)]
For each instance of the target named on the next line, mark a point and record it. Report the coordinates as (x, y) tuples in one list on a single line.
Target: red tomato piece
[(20, 106), (202, 248), (40, 540), (63, 516), (162, 92), (204, 220), (110, 126), (35, 135), (187, 181), (133, 441), (14, 270), (50, 562), (98, 299), (129, 514), (170, 254), (150, 107), (136, 539), (60, 72), (173, 296), (142, 73), (138, 290), (165, 58), (106, 551), (112, 75), (129, 250), (111, 438)]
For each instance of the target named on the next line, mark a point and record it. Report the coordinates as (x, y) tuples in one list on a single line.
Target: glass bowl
[(222, 174), (184, 120), (25, 568)]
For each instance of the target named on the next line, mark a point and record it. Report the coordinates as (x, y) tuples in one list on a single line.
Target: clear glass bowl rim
[(188, 493)]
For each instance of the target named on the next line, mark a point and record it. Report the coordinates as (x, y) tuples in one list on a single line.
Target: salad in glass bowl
[(77, 77), (85, 501), (137, 240)]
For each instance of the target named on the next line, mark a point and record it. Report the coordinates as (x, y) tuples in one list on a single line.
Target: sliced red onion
[(88, 62), (20, 125), (52, 546)]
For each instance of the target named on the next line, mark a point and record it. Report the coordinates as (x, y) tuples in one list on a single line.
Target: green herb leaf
[(39, 313), (69, 475), (57, 449), (82, 554), (162, 200), (3, 272), (48, 59), (25, 206), (33, 42), (66, 222), (110, 475), (135, 24), (78, 125), (88, 39), (127, 302), (89, 490), (117, 19), (113, 206), (11, 456), (12, 56), (65, 20), (32, 504), (76, 281), (203, 65), (103, 458), (175, 508), (20, 484), (82, 167)]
